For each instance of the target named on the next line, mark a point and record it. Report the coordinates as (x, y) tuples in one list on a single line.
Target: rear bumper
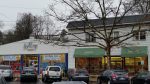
[(54, 77), (121, 81), (31, 77), (85, 79)]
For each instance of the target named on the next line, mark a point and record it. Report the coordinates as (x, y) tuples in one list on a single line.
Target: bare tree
[(28, 24), (142, 8), (81, 14)]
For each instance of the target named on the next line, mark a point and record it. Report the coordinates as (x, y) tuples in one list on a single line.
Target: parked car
[(2, 80), (141, 78), (6, 71), (54, 73), (70, 82), (28, 73), (70, 73), (80, 75), (113, 76)]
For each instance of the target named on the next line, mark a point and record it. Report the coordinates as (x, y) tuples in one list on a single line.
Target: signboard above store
[(30, 46), (9, 58), (52, 57)]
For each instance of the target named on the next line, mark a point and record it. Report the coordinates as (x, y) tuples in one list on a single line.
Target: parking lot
[(38, 82)]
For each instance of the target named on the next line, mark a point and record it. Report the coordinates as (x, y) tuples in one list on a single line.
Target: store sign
[(30, 46), (52, 57), (9, 58), (142, 62)]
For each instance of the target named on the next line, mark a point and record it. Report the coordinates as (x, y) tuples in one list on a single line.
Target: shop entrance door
[(30, 60)]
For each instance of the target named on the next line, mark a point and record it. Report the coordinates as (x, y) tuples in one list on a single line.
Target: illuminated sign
[(52, 57), (9, 58)]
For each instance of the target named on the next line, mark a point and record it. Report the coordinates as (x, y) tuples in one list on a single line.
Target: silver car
[(6, 72), (2, 80)]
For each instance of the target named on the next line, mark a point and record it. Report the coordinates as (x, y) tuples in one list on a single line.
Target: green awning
[(89, 52), (136, 51)]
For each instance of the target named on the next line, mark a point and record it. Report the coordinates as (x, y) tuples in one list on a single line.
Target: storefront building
[(133, 54), (133, 59), (33, 53)]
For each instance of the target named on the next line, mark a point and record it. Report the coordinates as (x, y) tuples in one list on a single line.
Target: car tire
[(98, 81), (21, 80), (131, 82), (44, 79), (35, 80), (59, 79), (109, 82)]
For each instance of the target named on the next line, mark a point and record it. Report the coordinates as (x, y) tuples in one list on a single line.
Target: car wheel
[(59, 79), (132, 82), (109, 82), (98, 81), (35, 80), (42, 79), (12, 78), (21, 80), (45, 79)]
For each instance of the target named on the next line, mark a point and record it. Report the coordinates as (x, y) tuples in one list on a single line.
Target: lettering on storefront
[(9, 58), (52, 57), (30, 46)]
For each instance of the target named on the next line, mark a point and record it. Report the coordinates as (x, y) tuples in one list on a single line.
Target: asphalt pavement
[(30, 82)]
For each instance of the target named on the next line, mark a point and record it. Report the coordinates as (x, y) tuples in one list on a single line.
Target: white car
[(53, 73), (6, 72)]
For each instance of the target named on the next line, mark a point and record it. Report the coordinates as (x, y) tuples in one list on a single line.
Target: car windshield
[(54, 69), (120, 72), (81, 72), (4, 67), (29, 71), (143, 74)]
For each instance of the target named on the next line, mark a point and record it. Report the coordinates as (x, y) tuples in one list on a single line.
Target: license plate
[(28, 73), (122, 78)]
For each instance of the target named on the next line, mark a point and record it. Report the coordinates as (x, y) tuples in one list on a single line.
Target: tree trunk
[(108, 58)]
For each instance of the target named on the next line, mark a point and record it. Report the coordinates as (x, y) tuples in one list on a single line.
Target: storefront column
[(39, 63), (66, 60), (66, 63), (21, 63), (148, 58)]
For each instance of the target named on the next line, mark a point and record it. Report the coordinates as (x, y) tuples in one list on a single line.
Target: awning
[(89, 52), (136, 51)]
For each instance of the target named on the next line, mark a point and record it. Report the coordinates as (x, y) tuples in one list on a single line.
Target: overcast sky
[(9, 9)]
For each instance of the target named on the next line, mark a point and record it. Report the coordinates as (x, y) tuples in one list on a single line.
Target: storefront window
[(54, 59), (136, 64), (13, 61), (93, 65)]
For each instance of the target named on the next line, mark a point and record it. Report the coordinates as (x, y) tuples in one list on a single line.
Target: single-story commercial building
[(32, 52)]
